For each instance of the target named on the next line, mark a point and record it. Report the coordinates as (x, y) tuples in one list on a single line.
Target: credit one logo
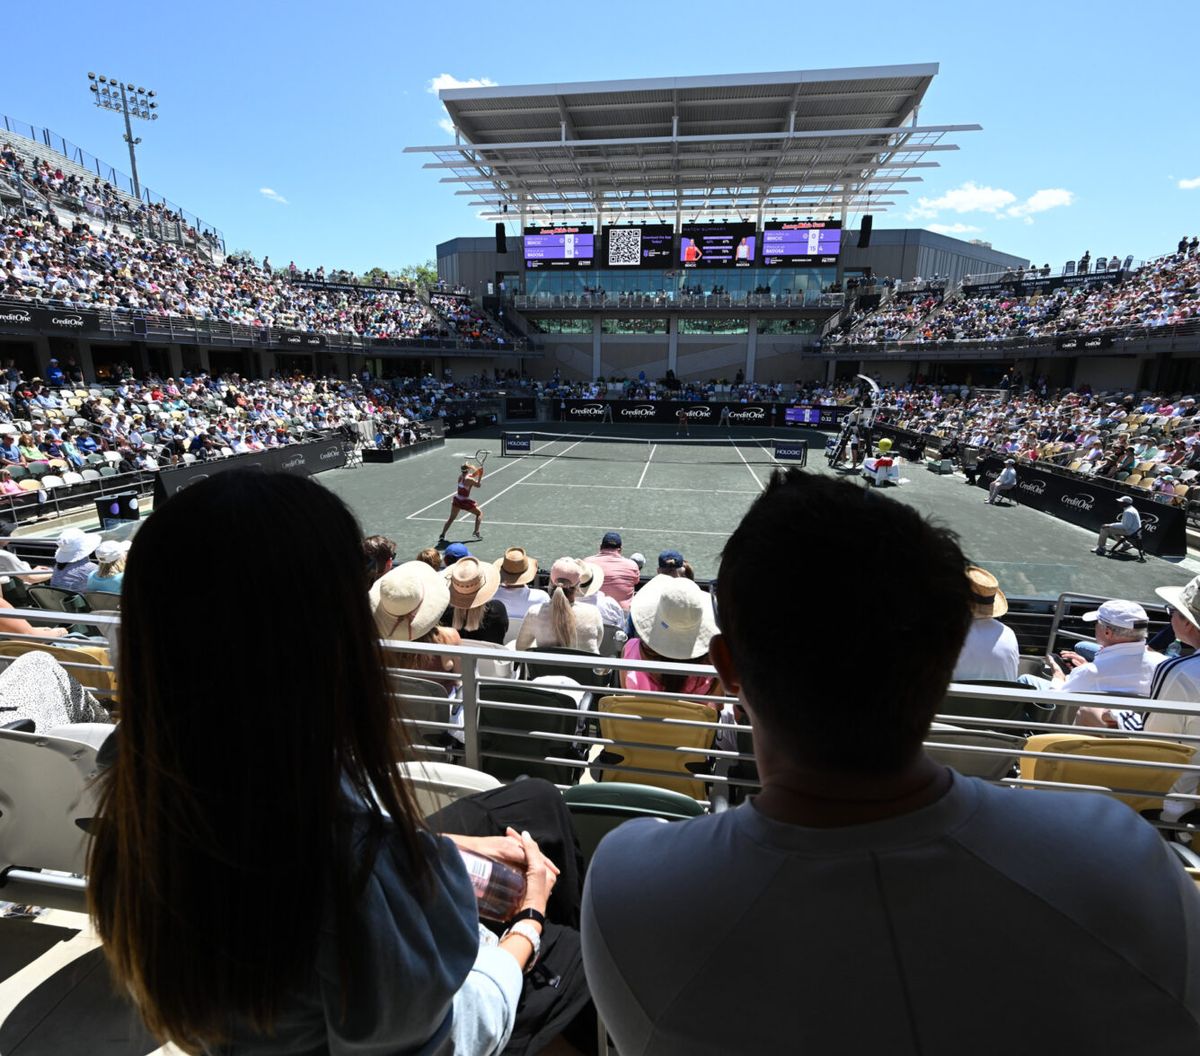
[(588, 410), (1079, 502), (66, 320), (1034, 487), (749, 414), (293, 462), (17, 316), (642, 410)]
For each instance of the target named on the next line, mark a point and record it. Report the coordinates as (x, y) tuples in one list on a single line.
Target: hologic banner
[(665, 412), (1089, 503), (304, 459)]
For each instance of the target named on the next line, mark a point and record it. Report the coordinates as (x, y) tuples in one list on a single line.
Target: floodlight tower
[(130, 100)]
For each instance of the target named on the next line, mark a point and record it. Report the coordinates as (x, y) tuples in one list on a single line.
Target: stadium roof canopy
[(683, 148)]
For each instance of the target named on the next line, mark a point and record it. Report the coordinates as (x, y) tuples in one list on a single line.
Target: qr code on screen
[(624, 246)]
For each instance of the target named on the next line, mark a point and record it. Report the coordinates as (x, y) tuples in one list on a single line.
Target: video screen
[(560, 246), (803, 415), (643, 246), (801, 242), (718, 245)]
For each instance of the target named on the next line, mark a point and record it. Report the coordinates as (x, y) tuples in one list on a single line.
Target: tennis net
[(723, 450)]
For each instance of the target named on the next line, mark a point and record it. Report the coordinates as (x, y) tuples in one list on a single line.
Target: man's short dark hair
[(846, 655)]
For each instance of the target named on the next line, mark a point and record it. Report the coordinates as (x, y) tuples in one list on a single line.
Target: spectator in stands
[(454, 552), (673, 622), (1130, 522), (408, 603), (890, 885), (565, 620), (1178, 679), (379, 948), (432, 557), (473, 611), (36, 686), (10, 563), (620, 573), (8, 486), (591, 592), (990, 650), (110, 570), (72, 559), (670, 563), (379, 553), (517, 570)]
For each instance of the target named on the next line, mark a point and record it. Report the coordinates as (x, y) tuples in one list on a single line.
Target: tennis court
[(562, 496)]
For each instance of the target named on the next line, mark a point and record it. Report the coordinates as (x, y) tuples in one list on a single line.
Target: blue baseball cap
[(670, 559), (611, 541), (454, 552)]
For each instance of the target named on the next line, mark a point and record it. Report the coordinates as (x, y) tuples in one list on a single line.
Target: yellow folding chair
[(660, 746)]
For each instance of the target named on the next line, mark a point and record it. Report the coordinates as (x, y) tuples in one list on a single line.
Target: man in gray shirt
[(1005, 481), (1129, 523), (870, 900)]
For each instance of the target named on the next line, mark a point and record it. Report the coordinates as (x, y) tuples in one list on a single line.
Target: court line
[(600, 527), (653, 448), (761, 485), (430, 506), (626, 487), (536, 469)]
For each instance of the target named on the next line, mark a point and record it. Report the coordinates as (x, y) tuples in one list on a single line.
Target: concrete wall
[(1108, 373), (907, 253)]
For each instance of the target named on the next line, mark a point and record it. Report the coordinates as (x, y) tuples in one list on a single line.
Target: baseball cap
[(1117, 613), (455, 552), (611, 541), (670, 559), (1125, 500)]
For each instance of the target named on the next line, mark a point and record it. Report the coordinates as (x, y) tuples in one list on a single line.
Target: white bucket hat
[(1185, 600), (111, 550), (408, 601), (674, 617), (75, 544)]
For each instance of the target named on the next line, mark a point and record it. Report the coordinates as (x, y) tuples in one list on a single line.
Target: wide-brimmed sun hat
[(472, 582), (674, 617), (987, 599), (516, 567), (75, 544), (111, 550), (1185, 600), (591, 578), (408, 601)]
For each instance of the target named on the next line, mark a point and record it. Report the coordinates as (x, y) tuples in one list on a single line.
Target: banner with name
[(666, 412), (56, 320), (303, 459), (297, 339), (1090, 503), (1030, 284), (1082, 341)]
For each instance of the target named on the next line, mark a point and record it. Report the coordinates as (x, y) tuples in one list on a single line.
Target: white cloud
[(1040, 201), (969, 198), (448, 80), (273, 195), (1189, 185), (953, 229), (447, 126)]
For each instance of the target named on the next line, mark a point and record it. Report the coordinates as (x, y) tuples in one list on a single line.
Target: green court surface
[(662, 496)]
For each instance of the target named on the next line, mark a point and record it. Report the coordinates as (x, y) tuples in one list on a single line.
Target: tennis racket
[(480, 457)]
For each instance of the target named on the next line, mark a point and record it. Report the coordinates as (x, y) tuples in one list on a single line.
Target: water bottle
[(499, 888)]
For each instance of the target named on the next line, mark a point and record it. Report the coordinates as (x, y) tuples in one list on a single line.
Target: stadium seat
[(653, 745), (950, 746), (30, 484), (598, 809), (1004, 710), (48, 795), (37, 470), (50, 482), (79, 660), (1076, 760), (90, 474), (57, 600), (99, 601), (71, 478), (532, 733), (436, 785), (18, 473), (107, 471), (535, 670)]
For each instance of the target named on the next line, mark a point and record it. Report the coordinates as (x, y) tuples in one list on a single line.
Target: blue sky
[(1090, 136)]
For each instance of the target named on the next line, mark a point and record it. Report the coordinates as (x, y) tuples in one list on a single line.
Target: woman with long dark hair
[(259, 876)]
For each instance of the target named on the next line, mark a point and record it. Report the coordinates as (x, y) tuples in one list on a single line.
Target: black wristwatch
[(535, 915)]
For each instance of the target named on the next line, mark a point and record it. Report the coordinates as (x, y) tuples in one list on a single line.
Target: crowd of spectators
[(99, 200), (44, 260), (1164, 292)]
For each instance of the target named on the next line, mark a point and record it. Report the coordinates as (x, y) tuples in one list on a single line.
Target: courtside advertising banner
[(303, 459), (665, 412), (1090, 503)]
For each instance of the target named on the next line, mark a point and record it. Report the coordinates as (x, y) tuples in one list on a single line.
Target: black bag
[(555, 998)]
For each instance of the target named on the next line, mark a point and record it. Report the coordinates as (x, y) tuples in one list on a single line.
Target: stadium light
[(128, 100)]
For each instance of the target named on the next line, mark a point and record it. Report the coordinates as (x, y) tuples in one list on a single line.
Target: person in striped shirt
[(1179, 679)]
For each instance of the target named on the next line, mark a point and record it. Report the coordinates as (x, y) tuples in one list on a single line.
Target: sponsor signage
[(665, 412), (1084, 341), (58, 320), (517, 441), (303, 459), (296, 339), (1090, 503), (520, 408), (1030, 285), (796, 451)]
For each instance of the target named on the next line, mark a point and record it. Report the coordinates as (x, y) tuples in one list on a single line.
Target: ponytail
[(562, 616)]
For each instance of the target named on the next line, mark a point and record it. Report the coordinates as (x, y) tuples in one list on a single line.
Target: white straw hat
[(408, 601), (674, 617), (75, 544), (591, 578)]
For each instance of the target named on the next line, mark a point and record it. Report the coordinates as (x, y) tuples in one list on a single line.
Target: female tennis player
[(469, 477)]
